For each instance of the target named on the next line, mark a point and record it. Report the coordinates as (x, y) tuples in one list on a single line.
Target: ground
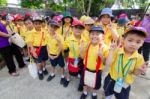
[(25, 87)]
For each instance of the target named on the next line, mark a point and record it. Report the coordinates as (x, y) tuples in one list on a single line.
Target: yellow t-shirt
[(21, 30), (86, 35), (136, 63), (74, 46), (28, 33), (67, 31), (93, 55), (35, 38), (52, 44)]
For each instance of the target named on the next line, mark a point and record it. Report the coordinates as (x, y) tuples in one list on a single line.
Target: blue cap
[(107, 11), (97, 28), (53, 22), (123, 21)]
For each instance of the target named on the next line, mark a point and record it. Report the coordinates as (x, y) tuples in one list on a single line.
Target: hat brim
[(143, 32), (106, 14), (37, 20), (81, 26), (100, 31), (55, 25)]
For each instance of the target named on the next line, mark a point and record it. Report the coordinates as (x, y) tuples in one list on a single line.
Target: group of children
[(86, 48)]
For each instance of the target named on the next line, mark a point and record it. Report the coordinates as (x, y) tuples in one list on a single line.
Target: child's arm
[(32, 50), (114, 32), (109, 59), (142, 69)]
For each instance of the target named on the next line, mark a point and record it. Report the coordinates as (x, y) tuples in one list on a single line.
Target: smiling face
[(105, 19), (132, 42), (95, 37), (28, 23), (37, 25), (52, 28), (67, 20), (77, 30)]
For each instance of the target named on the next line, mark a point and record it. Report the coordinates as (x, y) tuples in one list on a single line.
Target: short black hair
[(139, 33)]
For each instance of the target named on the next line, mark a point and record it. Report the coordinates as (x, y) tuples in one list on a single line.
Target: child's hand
[(113, 46), (34, 55), (144, 67), (52, 57), (100, 52)]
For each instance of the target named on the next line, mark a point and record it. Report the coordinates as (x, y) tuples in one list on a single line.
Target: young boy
[(125, 62), (37, 41), (73, 43), (95, 55), (55, 47)]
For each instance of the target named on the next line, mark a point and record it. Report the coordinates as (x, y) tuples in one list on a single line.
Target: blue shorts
[(58, 61), (109, 89), (43, 56)]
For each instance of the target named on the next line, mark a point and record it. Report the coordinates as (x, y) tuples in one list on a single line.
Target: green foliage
[(3, 3), (34, 4)]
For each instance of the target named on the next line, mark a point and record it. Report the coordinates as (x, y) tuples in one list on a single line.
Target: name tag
[(76, 62), (118, 85)]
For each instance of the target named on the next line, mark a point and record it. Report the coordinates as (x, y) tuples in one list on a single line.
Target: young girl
[(94, 57), (73, 43), (37, 42), (55, 47), (124, 63), (110, 32)]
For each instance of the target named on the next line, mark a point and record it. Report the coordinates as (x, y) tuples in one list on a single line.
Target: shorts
[(109, 89), (58, 61), (43, 56), (98, 80)]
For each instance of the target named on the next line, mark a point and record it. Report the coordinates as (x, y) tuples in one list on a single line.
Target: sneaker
[(15, 74), (94, 97), (80, 88), (50, 77), (62, 81), (83, 96), (45, 72), (66, 83), (41, 77)]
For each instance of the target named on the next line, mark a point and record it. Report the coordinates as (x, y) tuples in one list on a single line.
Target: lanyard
[(99, 61), (120, 64)]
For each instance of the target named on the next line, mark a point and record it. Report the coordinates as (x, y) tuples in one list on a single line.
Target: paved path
[(24, 87)]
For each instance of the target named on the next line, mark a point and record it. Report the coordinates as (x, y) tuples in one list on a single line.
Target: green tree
[(3, 3), (32, 4)]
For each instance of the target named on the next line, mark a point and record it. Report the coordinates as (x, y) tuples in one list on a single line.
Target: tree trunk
[(89, 7)]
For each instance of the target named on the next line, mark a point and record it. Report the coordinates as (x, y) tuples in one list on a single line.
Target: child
[(29, 29), (125, 62), (55, 46), (94, 57), (37, 41), (73, 43), (89, 22), (110, 29), (67, 20)]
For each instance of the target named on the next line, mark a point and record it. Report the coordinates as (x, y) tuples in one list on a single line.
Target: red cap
[(76, 22), (19, 17)]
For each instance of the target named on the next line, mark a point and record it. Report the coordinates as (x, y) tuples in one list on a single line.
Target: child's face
[(132, 42), (105, 19), (37, 25), (20, 22), (67, 20), (52, 28), (88, 26), (95, 37), (28, 24), (77, 31)]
